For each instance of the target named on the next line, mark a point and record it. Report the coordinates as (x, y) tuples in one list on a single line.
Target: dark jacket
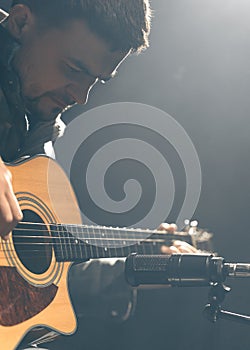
[(17, 136)]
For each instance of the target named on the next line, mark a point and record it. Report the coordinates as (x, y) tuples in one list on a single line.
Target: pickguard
[(19, 300)]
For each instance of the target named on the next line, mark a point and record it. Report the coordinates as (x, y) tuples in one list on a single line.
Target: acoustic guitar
[(35, 261)]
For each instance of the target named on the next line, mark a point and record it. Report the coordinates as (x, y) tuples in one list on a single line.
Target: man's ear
[(20, 22)]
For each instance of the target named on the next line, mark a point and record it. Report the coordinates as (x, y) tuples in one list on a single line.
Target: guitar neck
[(80, 243)]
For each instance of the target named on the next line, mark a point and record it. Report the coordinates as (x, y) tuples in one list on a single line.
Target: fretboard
[(80, 243)]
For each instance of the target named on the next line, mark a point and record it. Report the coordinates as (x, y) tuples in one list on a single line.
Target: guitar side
[(29, 299)]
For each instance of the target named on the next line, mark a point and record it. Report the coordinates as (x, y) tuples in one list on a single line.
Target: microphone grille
[(150, 262)]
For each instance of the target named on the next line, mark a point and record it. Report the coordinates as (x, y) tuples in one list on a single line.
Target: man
[(57, 52), (52, 54)]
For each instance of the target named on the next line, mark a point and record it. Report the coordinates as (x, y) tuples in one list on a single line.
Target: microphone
[(181, 270)]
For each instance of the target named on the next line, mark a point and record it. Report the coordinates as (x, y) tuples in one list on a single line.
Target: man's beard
[(37, 106), (36, 113)]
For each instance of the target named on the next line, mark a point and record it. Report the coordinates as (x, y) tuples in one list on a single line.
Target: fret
[(106, 246), (88, 241), (75, 247), (113, 242), (84, 242), (55, 234), (69, 244), (138, 237), (65, 255), (143, 247), (148, 247), (58, 241), (75, 241), (80, 245), (155, 247), (123, 241), (94, 242)]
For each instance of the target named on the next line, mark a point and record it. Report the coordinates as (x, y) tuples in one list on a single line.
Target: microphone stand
[(213, 311), (187, 270)]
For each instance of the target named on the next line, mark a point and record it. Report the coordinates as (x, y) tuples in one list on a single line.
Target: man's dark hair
[(124, 24)]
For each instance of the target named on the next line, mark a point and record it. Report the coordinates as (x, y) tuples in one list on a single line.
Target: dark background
[(197, 70)]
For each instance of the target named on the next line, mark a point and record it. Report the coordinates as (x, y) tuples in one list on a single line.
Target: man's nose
[(79, 93)]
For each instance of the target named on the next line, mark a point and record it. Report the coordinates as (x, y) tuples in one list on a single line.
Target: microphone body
[(182, 270)]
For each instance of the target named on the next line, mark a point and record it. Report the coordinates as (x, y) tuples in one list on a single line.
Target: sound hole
[(32, 243)]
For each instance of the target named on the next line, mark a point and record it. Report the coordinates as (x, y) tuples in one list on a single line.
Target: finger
[(17, 214), (166, 250), (5, 217), (167, 227), (184, 247), (10, 212), (169, 250)]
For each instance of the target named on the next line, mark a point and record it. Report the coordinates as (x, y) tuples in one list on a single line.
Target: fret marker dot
[(87, 241), (105, 249)]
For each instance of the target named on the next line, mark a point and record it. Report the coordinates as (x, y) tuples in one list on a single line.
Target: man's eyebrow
[(79, 64)]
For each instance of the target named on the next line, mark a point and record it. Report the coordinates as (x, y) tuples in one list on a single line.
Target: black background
[(197, 70)]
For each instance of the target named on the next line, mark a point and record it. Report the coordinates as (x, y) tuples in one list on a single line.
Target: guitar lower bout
[(33, 285)]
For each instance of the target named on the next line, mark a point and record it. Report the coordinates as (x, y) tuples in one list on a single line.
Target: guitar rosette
[(130, 165)]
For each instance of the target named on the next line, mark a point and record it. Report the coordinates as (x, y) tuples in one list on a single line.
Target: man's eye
[(72, 68)]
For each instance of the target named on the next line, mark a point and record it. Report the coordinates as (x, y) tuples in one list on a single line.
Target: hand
[(178, 246), (10, 212)]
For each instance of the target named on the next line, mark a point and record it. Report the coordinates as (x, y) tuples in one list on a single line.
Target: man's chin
[(39, 110)]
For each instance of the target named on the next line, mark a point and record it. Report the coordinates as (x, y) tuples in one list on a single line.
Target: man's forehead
[(90, 51)]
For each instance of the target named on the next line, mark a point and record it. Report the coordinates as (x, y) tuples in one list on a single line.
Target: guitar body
[(35, 260), (33, 285)]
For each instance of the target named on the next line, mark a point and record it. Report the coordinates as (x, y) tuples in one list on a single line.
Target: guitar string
[(96, 252), (137, 241), (169, 238), (145, 233), (94, 232), (85, 226), (109, 228), (119, 252), (122, 248), (87, 244), (105, 251), (133, 241), (89, 239)]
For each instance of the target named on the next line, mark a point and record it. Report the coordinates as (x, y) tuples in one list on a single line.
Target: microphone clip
[(213, 310)]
